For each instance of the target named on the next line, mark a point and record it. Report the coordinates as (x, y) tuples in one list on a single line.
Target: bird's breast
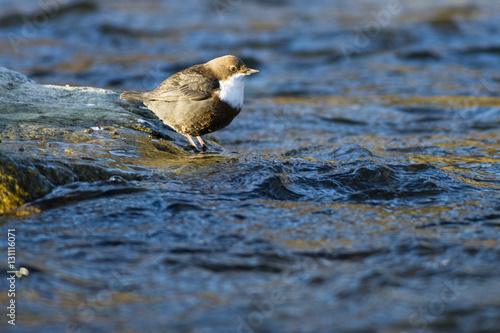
[(232, 90)]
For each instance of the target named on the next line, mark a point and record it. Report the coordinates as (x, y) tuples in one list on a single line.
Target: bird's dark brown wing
[(191, 84)]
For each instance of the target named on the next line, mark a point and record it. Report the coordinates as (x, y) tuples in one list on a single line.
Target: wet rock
[(54, 135)]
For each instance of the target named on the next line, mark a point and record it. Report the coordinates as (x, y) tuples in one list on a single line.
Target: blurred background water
[(358, 190)]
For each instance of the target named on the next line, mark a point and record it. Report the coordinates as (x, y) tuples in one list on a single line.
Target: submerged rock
[(53, 135)]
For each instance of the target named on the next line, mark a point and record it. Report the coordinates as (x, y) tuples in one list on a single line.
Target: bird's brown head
[(226, 66)]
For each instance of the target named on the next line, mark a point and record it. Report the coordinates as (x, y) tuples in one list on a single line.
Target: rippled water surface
[(358, 191)]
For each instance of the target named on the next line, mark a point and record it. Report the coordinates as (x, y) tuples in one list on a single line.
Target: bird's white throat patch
[(232, 90)]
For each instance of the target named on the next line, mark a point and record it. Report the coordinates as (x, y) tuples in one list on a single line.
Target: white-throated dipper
[(200, 99)]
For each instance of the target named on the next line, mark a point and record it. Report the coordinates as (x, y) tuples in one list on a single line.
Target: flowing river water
[(358, 191)]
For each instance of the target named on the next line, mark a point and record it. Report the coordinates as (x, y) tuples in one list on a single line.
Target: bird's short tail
[(132, 96)]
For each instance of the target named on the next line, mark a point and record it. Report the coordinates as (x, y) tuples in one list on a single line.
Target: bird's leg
[(203, 145), (191, 140)]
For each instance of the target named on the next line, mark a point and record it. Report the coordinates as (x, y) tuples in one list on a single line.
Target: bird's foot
[(202, 144), (193, 145)]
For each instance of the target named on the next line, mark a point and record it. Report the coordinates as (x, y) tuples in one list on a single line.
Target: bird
[(201, 99)]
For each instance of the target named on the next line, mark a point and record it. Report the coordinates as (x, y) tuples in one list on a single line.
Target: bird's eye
[(232, 68)]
